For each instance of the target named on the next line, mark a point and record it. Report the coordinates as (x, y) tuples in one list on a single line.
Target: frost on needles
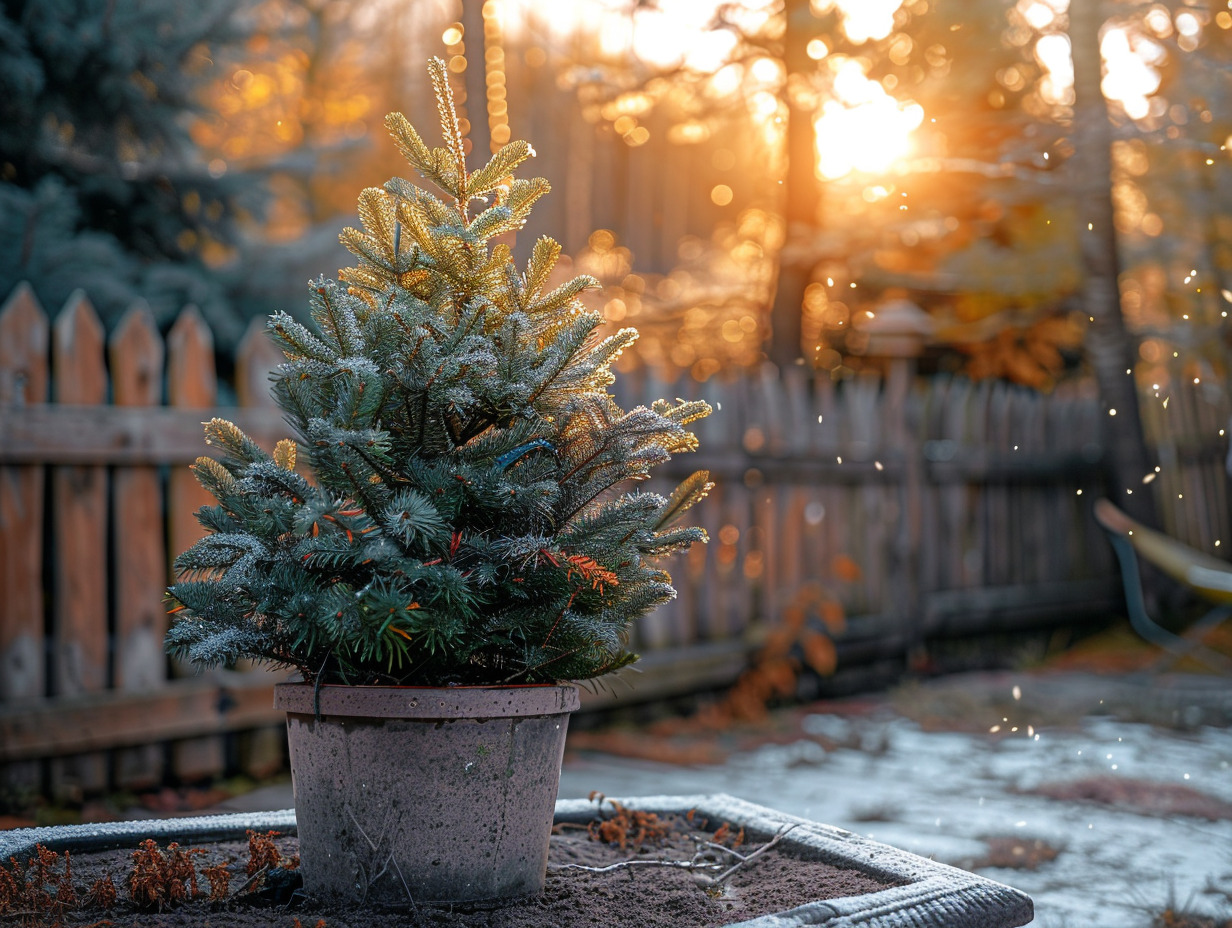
[(471, 518)]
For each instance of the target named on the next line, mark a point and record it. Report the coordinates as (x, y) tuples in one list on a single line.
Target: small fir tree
[(467, 522)]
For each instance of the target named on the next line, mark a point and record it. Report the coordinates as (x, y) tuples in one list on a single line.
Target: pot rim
[(427, 702)]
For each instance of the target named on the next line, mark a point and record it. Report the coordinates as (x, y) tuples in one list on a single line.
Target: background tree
[(975, 218), (101, 184)]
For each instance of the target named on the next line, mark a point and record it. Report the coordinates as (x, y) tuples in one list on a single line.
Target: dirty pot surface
[(421, 793)]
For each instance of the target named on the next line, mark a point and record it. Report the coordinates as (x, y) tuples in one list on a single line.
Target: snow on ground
[(941, 794)]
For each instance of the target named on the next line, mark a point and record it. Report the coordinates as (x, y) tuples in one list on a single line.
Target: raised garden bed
[(722, 861)]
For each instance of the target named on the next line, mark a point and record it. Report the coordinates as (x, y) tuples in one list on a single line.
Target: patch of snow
[(940, 794)]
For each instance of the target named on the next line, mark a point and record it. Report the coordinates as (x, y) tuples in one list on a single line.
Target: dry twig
[(748, 858), (631, 864), (694, 864)]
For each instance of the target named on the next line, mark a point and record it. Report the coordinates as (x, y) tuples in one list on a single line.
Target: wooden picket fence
[(94, 496), (925, 507)]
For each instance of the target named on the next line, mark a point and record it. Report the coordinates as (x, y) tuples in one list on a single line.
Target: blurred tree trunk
[(1110, 348), (801, 189)]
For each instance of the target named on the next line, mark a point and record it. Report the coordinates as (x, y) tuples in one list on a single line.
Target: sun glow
[(1130, 75), (863, 20), (1131, 66), (668, 35), (863, 128)]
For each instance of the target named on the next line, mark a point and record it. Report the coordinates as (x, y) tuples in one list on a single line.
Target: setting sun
[(864, 129)]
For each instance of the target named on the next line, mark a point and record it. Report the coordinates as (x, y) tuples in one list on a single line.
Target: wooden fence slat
[(121, 435), (24, 335), (261, 751), (999, 525), (734, 600), (23, 380), (255, 360), (191, 384), (136, 354), (902, 524), (79, 524), (219, 701)]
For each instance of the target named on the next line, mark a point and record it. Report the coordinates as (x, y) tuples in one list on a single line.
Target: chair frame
[(1189, 644)]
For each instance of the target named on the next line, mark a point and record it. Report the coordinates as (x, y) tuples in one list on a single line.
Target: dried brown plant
[(626, 826), (36, 892), (161, 879), (102, 894), (219, 878), (262, 852)]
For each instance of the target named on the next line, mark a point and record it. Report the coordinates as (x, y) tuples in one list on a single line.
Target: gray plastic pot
[(405, 794)]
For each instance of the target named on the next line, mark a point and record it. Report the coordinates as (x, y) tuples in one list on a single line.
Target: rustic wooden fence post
[(255, 359), (23, 381), (260, 752), (79, 525), (136, 353), (191, 384)]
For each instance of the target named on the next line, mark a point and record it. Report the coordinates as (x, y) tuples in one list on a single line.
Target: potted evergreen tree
[(468, 543)]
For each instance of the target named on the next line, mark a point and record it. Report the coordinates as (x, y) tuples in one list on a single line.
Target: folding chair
[(1206, 576)]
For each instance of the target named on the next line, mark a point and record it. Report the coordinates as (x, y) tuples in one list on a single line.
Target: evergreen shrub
[(469, 517)]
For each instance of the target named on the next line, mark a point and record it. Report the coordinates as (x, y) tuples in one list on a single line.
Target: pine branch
[(238, 447), (563, 295), (542, 260), (295, 340), (692, 490), (499, 167), (213, 477), (450, 129)]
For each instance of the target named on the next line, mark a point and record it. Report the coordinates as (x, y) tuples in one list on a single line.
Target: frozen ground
[(960, 793), (945, 794)]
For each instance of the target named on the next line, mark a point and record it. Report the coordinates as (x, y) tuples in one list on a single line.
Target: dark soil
[(644, 896)]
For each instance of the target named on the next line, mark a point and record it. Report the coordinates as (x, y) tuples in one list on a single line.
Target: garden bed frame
[(932, 894)]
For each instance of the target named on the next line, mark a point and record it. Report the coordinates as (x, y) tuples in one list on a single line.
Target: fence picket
[(191, 384), (136, 355), (255, 359), (261, 751), (24, 335), (79, 525)]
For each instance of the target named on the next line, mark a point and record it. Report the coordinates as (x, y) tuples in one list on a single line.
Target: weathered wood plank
[(191, 384), (999, 532), (672, 672), (903, 499), (974, 611), (80, 513), (136, 354), (219, 702), (114, 435), (24, 336), (255, 360), (79, 524)]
